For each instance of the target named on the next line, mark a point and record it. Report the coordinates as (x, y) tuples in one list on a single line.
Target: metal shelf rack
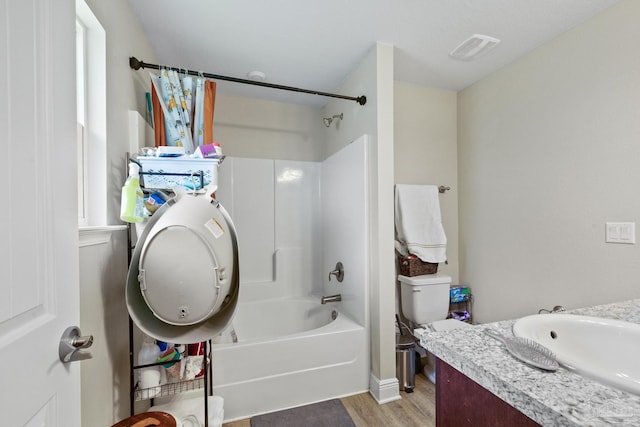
[(204, 382)]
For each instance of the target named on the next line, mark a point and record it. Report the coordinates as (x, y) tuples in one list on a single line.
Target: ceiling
[(315, 44)]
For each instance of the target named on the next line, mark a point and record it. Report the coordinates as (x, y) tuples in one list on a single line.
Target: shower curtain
[(183, 110)]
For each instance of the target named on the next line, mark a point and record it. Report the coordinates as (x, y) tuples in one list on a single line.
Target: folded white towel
[(419, 222)]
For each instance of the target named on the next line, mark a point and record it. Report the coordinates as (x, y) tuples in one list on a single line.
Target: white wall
[(548, 152), (425, 152), (357, 119), (103, 314), (256, 128)]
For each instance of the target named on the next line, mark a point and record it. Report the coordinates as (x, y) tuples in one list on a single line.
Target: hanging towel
[(158, 119), (419, 223), (185, 107), (209, 107), (198, 115)]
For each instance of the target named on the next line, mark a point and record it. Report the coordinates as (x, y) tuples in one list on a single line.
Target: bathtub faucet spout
[(331, 298)]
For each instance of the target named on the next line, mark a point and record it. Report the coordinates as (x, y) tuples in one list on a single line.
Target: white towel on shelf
[(419, 222)]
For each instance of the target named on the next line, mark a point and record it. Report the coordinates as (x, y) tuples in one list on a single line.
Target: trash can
[(406, 362)]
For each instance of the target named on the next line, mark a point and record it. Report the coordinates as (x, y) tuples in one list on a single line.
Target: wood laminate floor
[(415, 409)]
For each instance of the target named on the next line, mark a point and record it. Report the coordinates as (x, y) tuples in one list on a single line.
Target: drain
[(334, 315), (553, 334)]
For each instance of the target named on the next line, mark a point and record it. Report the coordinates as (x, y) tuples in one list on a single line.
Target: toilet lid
[(183, 280), (178, 276), (184, 262)]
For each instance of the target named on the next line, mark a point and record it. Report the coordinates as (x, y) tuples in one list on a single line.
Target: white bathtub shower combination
[(289, 352), (295, 220)]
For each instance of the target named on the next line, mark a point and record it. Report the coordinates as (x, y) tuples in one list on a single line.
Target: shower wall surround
[(345, 226), (295, 220), (274, 204)]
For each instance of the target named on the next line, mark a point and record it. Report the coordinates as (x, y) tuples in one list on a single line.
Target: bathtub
[(289, 352)]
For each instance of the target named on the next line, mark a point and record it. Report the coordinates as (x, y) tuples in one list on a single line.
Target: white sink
[(604, 350)]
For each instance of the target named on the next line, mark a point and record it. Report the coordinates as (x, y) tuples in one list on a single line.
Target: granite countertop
[(560, 398)]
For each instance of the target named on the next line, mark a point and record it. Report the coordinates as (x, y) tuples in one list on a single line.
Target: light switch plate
[(620, 232)]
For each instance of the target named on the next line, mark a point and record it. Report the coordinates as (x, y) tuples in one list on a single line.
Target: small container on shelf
[(461, 315), (458, 294), (184, 171), (149, 377), (460, 303)]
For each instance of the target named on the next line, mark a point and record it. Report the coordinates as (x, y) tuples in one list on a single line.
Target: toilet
[(425, 302)]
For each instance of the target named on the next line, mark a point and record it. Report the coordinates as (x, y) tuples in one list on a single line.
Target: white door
[(38, 215)]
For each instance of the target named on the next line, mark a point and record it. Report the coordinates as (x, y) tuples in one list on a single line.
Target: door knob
[(71, 342)]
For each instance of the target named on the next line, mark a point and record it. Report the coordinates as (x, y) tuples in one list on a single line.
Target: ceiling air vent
[(474, 47)]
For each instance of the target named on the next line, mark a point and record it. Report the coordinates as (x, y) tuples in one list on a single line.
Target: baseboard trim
[(384, 391)]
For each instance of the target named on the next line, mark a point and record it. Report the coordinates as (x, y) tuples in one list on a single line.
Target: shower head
[(328, 120)]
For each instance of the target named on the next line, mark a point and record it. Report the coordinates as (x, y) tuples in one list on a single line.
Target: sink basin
[(604, 350)]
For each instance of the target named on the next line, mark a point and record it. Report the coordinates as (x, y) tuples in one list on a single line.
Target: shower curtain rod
[(136, 64)]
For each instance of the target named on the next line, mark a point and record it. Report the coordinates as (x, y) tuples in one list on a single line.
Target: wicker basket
[(414, 266)]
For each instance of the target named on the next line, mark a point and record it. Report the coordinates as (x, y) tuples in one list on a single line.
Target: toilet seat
[(447, 325), (439, 326)]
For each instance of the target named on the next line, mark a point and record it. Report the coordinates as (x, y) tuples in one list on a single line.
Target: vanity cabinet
[(462, 402)]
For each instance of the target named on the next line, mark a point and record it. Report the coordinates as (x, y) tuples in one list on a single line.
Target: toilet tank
[(425, 299)]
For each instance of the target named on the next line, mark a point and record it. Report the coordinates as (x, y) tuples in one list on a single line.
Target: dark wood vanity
[(462, 402)]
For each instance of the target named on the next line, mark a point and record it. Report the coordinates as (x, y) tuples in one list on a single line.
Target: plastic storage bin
[(170, 172)]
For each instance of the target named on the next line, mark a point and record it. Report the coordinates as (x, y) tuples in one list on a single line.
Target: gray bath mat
[(330, 413)]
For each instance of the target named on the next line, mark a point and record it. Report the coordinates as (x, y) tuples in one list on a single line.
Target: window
[(92, 117), (81, 82)]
